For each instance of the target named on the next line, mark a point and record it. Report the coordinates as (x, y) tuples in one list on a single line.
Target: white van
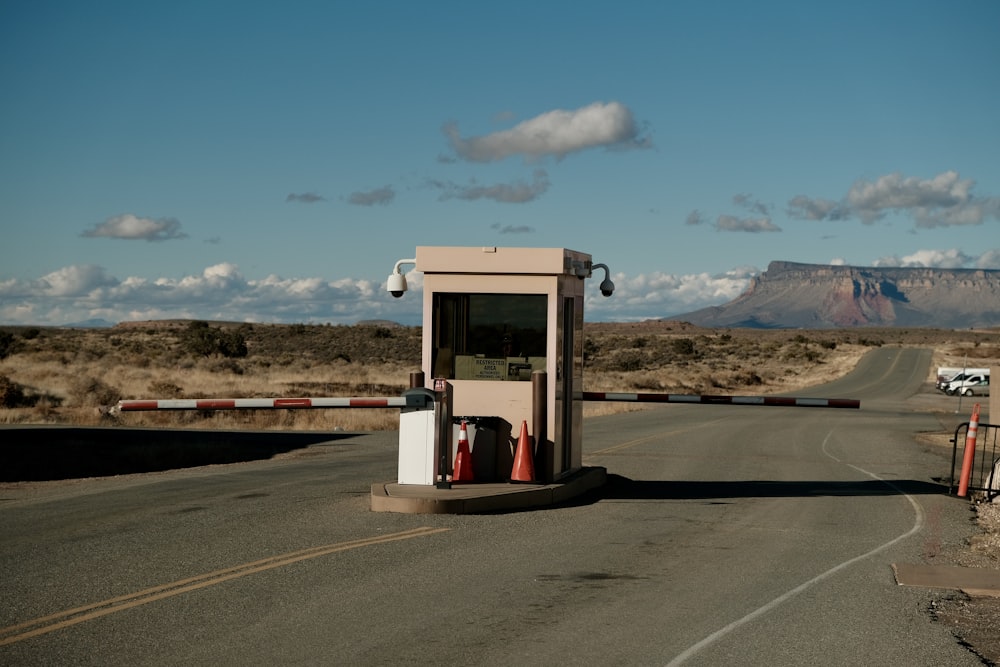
[(943, 385), (973, 384), (946, 374)]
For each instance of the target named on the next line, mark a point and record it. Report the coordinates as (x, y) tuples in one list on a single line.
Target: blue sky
[(268, 161)]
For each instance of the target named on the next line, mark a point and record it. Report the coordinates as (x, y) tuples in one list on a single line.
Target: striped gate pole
[(410, 400), (707, 399)]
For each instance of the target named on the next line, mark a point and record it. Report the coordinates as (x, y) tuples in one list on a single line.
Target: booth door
[(566, 377)]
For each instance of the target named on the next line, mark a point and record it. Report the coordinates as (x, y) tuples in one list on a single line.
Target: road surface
[(726, 535)]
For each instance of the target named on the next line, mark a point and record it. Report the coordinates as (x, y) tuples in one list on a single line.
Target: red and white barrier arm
[(260, 403), (706, 399)]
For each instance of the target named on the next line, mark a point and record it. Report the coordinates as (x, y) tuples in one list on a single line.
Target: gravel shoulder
[(974, 619)]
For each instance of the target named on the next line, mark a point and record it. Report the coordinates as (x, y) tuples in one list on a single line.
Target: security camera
[(607, 287), (396, 284)]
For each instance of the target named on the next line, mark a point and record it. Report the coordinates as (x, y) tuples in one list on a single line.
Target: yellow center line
[(88, 612), (654, 436)]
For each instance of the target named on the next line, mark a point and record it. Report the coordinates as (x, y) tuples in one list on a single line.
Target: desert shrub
[(6, 344), (683, 346), (628, 360), (199, 339), (89, 391), (232, 344), (90, 354), (45, 407), (203, 340), (646, 382), (165, 389), (797, 352), (227, 366), (11, 393)]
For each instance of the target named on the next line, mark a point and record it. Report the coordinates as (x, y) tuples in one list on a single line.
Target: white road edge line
[(722, 632)]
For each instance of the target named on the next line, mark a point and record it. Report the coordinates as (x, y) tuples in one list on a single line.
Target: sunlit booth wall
[(493, 316)]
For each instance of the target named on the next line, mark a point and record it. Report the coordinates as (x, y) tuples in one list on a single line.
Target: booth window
[(498, 337)]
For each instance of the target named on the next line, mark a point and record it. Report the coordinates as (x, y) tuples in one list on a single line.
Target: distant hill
[(96, 323), (817, 296)]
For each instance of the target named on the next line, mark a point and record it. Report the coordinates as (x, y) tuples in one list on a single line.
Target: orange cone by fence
[(970, 453), (463, 458), (524, 461)]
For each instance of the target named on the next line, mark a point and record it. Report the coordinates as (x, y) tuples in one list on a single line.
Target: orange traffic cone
[(463, 458), (524, 463)]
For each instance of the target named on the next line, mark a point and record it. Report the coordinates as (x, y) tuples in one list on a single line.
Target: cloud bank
[(221, 292)]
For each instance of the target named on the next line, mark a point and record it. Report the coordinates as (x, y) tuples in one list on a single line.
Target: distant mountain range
[(817, 296)]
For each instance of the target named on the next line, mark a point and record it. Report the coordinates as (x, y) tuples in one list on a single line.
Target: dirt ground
[(975, 621)]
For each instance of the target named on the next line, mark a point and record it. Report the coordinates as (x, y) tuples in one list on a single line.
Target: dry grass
[(71, 376)]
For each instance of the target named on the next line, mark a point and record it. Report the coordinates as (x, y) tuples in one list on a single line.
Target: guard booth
[(504, 327)]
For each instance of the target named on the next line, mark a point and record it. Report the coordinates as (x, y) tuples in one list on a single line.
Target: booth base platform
[(473, 498)]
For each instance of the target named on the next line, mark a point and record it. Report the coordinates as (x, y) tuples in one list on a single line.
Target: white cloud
[(511, 229), (131, 227), (937, 259), (382, 196), (806, 208), (554, 134), (942, 195), (304, 198), (694, 218), (730, 223), (752, 205), (989, 260), (506, 193), (944, 200), (74, 280), (657, 295)]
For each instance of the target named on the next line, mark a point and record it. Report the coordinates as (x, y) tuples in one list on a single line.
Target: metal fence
[(984, 476)]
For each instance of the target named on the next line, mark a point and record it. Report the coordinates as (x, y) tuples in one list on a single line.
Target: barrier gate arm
[(708, 399), (408, 400)]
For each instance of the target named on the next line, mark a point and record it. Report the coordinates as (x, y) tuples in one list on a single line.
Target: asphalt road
[(726, 535)]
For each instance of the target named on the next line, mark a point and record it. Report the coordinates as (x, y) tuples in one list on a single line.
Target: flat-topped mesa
[(792, 294)]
